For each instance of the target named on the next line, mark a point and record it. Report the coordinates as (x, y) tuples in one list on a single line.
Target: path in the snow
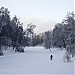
[(35, 60)]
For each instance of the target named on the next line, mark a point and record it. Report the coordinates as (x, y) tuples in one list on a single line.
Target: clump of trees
[(11, 30), (12, 33), (64, 31)]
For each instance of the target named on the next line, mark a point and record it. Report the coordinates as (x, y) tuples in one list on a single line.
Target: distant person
[(51, 57)]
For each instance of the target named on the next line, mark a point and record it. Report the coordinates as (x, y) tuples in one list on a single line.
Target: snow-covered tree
[(58, 36), (4, 23), (48, 39), (29, 32)]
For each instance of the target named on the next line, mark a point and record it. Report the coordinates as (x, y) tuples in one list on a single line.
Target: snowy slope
[(35, 60)]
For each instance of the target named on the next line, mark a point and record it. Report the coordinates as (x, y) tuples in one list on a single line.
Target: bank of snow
[(35, 60)]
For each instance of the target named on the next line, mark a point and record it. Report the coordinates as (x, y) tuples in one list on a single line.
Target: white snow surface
[(35, 60)]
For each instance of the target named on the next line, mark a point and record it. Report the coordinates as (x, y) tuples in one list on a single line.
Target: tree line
[(60, 35), (12, 32)]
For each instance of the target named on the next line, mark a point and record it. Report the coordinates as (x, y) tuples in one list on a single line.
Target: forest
[(13, 35)]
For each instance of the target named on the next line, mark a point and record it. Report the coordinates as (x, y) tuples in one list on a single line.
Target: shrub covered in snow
[(19, 49), (67, 57), (1, 53)]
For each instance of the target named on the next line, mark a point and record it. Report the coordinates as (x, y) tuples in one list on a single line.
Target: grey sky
[(43, 13)]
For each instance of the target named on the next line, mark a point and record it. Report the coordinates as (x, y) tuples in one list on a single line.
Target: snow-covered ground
[(35, 60)]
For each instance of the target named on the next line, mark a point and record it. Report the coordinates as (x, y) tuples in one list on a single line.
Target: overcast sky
[(43, 13)]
